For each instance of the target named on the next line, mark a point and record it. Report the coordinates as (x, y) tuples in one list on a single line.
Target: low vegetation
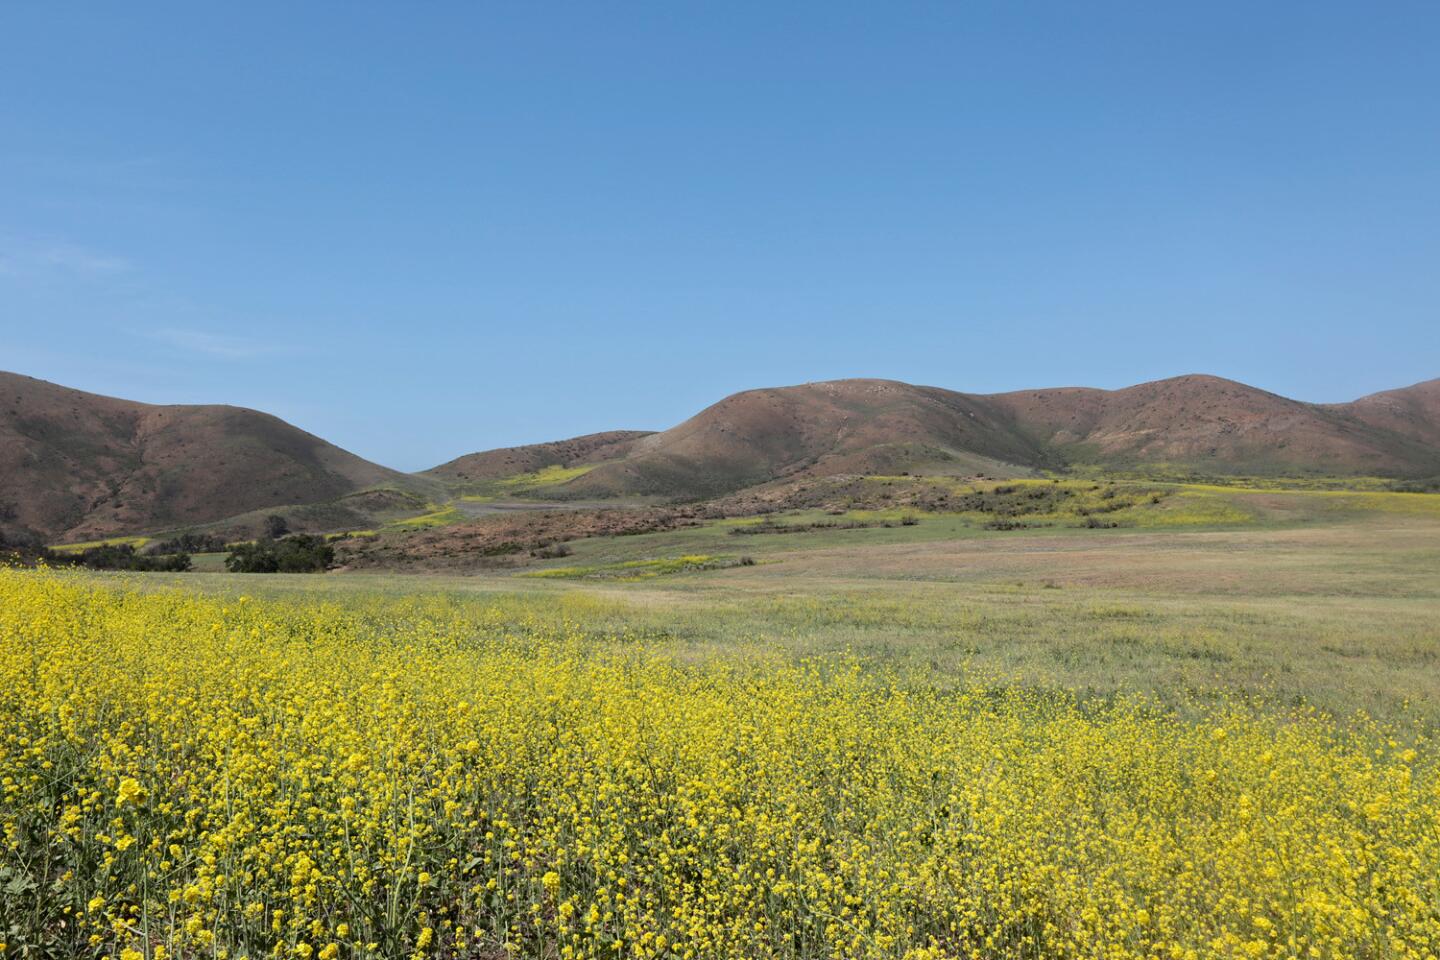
[(124, 556), (770, 525), (508, 539), (437, 517), (643, 569), (898, 730), (547, 476), (113, 555), (426, 777), (189, 543), (299, 553)]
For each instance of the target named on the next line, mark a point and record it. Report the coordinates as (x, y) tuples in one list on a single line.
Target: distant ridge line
[(75, 464)]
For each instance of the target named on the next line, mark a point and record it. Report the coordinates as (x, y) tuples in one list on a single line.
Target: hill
[(1195, 423), (817, 429), (1211, 424), (76, 466), (1412, 412), (509, 461)]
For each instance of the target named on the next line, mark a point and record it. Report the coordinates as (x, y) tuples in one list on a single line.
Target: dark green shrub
[(122, 556), (298, 554), (189, 543)]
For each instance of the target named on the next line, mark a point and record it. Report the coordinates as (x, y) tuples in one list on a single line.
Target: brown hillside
[(817, 429), (76, 466), (1411, 412), (1199, 423), (509, 461), (1209, 423)]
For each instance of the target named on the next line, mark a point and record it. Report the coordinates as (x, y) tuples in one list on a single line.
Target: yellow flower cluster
[(183, 776)]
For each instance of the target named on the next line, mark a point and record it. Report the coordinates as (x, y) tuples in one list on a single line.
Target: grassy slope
[(1182, 507), (474, 472)]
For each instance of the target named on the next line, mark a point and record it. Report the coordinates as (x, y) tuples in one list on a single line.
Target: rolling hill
[(1210, 424), (509, 461), (843, 426), (76, 465), (1412, 412), (1195, 423)]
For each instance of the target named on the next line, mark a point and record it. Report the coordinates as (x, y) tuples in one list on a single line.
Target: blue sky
[(424, 229)]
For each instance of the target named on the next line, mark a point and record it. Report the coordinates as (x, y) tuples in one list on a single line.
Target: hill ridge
[(76, 464), (868, 425)]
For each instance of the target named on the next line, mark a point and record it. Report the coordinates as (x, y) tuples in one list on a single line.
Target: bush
[(189, 543), (25, 548), (298, 554), (122, 556), (1430, 485)]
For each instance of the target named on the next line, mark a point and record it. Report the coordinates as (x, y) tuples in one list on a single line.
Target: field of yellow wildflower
[(192, 776)]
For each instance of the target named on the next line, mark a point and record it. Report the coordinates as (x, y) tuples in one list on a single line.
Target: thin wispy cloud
[(50, 264), (211, 344), (45, 259)]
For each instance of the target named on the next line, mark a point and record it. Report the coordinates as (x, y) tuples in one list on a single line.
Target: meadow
[(932, 741)]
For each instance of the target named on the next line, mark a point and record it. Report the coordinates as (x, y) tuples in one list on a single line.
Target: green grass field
[(1330, 598)]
